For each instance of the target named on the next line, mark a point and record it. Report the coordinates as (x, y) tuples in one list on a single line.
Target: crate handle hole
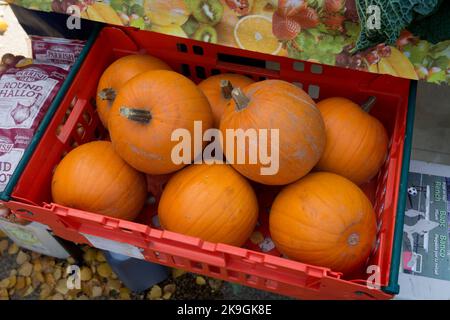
[(196, 266), (185, 70), (59, 129), (200, 72), (314, 91), (214, 269), (81, 131), (272, 65), (244, 61), (87, 117), (69, 110), (197, 50), (298, 66), (316, 69), (73, 102), (181, 47)]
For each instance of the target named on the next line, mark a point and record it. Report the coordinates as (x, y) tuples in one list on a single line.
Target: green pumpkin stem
[(240, 98), (226, 88), (107, 94), (138, 115), (367, 106)]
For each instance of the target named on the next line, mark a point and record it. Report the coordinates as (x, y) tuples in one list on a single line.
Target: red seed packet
[(56, 50), (26, 93)]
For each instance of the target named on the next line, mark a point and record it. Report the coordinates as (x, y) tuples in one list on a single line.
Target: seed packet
[(26, 93), (57, 51)]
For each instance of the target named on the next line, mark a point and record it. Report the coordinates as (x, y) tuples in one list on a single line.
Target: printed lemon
[(167, 12), (396, 64), (254, 32)]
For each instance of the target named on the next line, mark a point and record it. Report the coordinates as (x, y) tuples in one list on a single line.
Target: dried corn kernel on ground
[(29, 275)]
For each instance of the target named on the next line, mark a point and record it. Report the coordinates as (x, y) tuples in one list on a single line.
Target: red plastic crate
[(247, 266)]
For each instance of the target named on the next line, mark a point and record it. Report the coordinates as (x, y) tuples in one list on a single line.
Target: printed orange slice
[(254, 33)]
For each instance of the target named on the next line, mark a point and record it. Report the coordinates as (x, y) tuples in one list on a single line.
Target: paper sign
[(34, 237), (425, 261), (114, 246)]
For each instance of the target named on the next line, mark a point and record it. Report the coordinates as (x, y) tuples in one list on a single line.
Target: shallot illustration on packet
[(22, 112)]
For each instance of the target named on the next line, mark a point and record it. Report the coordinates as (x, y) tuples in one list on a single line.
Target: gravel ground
[(181, 285)]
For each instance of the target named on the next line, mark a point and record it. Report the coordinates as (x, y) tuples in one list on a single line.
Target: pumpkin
[(357, 143), (115, 76), (209, 201), (92, 177), (218, 91), (325, 220), (284, 110), (146, 113)]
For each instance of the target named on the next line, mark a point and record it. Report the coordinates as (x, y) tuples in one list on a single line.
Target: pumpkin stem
[(107, 94), (240, 98), (226, 88), (367, 106), (138, 115)]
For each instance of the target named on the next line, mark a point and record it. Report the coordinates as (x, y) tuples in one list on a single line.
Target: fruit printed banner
[(391, 40)]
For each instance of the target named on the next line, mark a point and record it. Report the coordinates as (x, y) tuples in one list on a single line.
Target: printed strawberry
[(334, 6), (307, 18), (289, 8), (241, 7), (284, 28)]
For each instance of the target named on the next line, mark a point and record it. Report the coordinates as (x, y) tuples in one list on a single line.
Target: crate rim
[(393, 287), (5, 195)]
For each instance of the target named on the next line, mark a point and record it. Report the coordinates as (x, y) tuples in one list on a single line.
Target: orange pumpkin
[(324, 220), (218, 91), (148, 110), (92, 177), (212, 202), (357, 143), (280, 107), (117, 74)]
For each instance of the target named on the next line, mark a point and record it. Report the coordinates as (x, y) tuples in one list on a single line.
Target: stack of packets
[(27, 89)]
